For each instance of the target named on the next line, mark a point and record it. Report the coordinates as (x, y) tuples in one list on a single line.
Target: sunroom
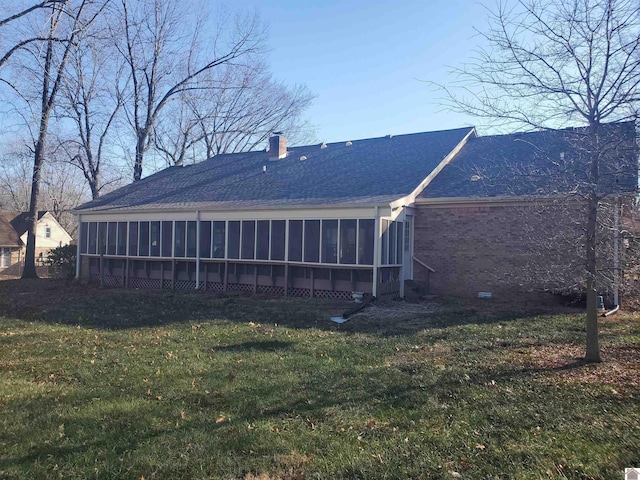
[(304, 253)]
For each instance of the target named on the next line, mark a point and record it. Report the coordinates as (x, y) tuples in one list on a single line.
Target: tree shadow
[(116, 309)]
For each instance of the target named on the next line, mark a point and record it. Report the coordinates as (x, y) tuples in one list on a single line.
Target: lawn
[(156, 385)]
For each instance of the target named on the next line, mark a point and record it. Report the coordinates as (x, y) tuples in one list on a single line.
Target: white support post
[(376, 251), (197, 249), (78, 257)]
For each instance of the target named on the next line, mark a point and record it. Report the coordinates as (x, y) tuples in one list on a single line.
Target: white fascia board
[(275, 214), (409, 199)]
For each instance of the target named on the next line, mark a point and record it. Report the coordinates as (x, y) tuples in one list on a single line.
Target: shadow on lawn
[(73, 304)]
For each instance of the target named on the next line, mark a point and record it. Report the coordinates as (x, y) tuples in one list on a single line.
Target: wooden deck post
[(286, 280)]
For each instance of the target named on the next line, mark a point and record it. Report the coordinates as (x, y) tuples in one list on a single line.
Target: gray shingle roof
[(537, 163), (367, 172), (12, 226)]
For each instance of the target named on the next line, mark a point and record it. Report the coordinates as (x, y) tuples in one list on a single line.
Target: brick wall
[(500, 248)]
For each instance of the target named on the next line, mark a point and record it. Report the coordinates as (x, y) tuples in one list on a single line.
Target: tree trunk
[(29, 270), (593, 349), (137, 167)]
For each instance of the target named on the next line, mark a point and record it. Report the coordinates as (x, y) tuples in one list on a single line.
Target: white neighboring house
[(13, 239)]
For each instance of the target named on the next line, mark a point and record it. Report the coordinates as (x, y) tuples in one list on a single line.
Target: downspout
[(197, 249), (616, 252), (78, 259), (376, 250)]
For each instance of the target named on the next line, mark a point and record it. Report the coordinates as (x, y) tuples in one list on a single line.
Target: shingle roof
[(8, 235), (537, 163), (19, 221), (370, 171)]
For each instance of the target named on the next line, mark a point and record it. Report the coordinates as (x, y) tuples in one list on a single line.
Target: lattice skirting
[(185, 285), (271, 290), (332, 294), (215, 287), (239, 287), (300, 292), (145, 283)]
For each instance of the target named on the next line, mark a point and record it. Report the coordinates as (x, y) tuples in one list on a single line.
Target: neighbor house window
[(47, 231), (5, 257)]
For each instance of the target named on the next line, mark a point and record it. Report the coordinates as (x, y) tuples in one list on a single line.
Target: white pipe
[(197, 249), (612, 311)]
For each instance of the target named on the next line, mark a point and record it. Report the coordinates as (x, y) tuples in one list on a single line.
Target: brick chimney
[(277, 146)]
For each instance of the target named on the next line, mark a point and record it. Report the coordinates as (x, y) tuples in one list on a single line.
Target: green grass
[(132, 385)]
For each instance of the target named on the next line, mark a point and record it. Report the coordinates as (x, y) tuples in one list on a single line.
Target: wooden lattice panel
[(144, 283), (271, 290), (239, 287), (112, 281), (342, 295), (185, 285), (300, 292), (215, 287)]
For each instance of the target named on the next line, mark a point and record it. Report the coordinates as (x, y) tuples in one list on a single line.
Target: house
[(13, 239), (325, 220)]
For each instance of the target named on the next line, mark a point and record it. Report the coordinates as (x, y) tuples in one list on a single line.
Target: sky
[(368, 62)]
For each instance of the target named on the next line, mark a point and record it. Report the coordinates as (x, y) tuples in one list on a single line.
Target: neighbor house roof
[(363, 172), (538, 163), (12, 227), (9, 237), (19, 221)]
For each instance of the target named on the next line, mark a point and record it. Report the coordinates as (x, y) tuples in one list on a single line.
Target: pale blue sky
[(365, 59)]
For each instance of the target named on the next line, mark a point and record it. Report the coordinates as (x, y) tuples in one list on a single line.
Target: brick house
[(330, 219), (13, 239)]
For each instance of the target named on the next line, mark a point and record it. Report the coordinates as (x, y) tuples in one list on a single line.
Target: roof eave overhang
[(226, 209)]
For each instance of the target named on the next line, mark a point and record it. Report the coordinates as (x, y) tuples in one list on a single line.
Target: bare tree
[(553, 63), (43, 64), (92, 99), (60, 192), (243, 107), (168, 56)]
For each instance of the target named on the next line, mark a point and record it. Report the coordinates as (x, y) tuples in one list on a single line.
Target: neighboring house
[(13, 239), (322, 220)]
